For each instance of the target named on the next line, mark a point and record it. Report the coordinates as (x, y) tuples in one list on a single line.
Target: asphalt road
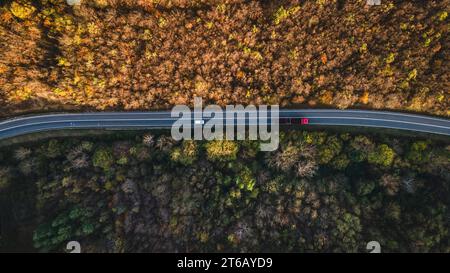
[(147, 120)]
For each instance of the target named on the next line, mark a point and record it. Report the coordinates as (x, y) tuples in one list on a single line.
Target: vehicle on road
[(295, 121)]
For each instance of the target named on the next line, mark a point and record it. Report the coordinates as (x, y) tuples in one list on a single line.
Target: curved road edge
[(162, 119)]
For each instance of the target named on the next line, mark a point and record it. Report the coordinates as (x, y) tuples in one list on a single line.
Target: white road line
[(225, 119), (375, 112)]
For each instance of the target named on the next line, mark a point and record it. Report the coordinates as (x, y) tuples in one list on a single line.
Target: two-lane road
[(162, 119)]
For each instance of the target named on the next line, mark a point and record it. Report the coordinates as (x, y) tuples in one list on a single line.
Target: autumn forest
[(323, 190)]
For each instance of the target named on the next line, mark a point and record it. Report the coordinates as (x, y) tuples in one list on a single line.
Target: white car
[(199, 122)]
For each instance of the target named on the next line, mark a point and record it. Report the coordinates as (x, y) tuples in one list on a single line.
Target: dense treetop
[(320, 192)]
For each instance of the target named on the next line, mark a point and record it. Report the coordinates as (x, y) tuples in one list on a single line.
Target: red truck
[(296, 121)]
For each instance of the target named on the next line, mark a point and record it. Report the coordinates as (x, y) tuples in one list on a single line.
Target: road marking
[(293, 111), (225, 119)]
